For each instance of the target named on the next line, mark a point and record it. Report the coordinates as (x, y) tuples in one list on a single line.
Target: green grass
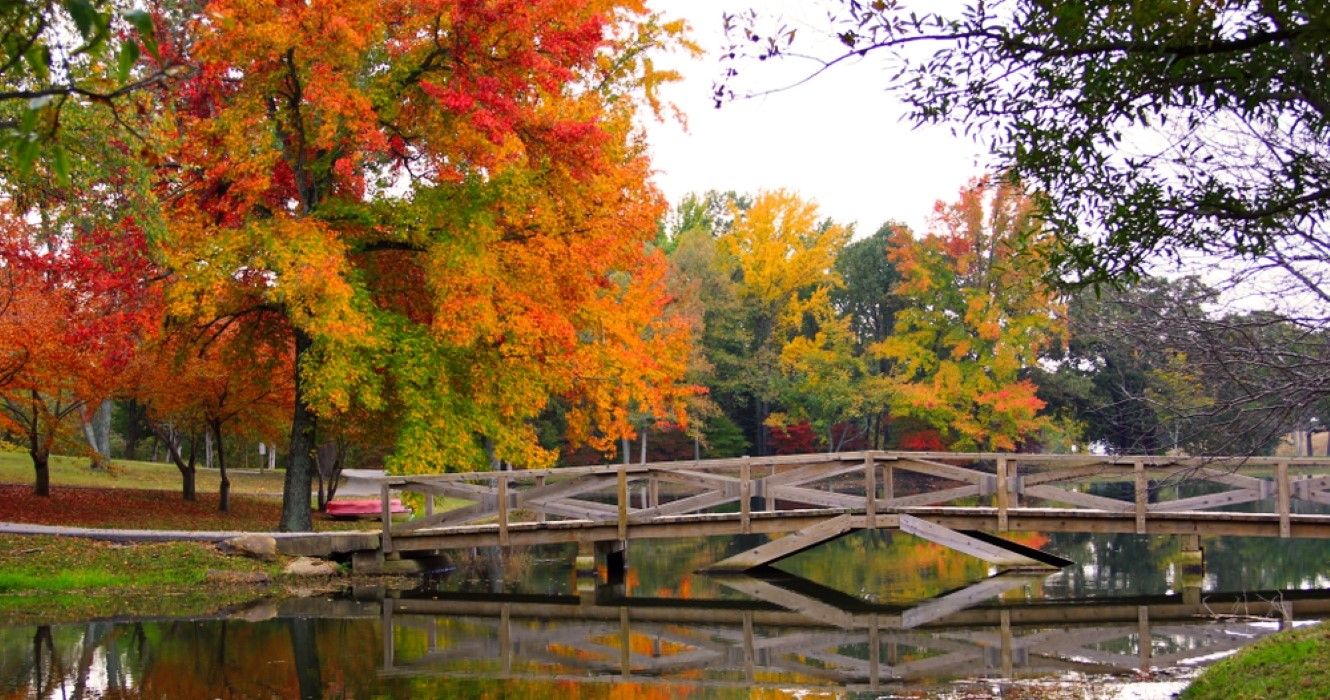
[(61, 578), (62, 581), (1289, 665), (16, 468)]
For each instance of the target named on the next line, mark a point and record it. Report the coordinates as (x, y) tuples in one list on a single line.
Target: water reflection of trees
[(191, 659)]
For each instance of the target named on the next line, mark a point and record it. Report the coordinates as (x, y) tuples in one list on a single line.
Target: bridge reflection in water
[(789, 632)]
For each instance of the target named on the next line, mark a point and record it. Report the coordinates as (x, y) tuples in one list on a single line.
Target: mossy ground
[(1290, 665)]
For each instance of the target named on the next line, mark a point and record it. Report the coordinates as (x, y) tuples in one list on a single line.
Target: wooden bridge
[(956, 499)]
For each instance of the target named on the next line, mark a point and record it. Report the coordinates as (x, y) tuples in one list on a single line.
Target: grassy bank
[(53, 579), (1290, 664)]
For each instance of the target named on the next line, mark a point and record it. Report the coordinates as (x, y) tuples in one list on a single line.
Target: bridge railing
[(749, 488)]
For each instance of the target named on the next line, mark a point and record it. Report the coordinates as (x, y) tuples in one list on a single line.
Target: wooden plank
[(961, 542), (1077, 473), (934, 497), (1141, 495), (1076, 498), (700, 479), (815, 497), (689, 504), (785, 546), (813, 472), (457, 516), (622, 494), (1281, 483), (888, 481), (543, 491), (471, 492), (1003, 495), (1241, 481), (944, 471), (579, 509), (1214, 500)]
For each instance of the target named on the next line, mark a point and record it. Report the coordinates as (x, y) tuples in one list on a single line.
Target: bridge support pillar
[(1192, 561), (610, 554)]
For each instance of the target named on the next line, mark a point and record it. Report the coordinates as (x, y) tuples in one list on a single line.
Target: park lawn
[(16, 468), (1289, 665), (47, 579)]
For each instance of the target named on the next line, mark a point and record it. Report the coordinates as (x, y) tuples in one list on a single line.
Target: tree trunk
[(643, 458), (627, 449), (327, 458), (189, 472), (42, 468), (224, 486), (296, 486)]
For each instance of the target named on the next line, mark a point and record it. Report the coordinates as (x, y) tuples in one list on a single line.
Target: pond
[(874, 614)]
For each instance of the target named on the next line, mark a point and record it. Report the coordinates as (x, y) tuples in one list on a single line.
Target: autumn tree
[(783, 256), (445, 204), (195, 384), (977, 316), (78, 308)]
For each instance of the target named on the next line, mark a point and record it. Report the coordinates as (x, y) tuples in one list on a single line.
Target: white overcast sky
[(838, 140)]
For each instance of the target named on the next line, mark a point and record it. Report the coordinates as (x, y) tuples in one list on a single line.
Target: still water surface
[(870, 615)]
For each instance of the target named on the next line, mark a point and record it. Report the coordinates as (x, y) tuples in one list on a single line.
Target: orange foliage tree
[(977, 315), (76, 308), (236, 377), (446, 203)]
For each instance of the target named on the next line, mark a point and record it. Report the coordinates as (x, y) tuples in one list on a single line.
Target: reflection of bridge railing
[(992, 492), (787, 635)]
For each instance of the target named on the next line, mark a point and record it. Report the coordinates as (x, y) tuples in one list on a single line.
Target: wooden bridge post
[(386, 539), (870, 491), (768, 501), (653, 492), (888, 482), (745, 496), (540, 514), (1281, 475), (1142, 493), (502, 504), (1003, 495), (622, 492)]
